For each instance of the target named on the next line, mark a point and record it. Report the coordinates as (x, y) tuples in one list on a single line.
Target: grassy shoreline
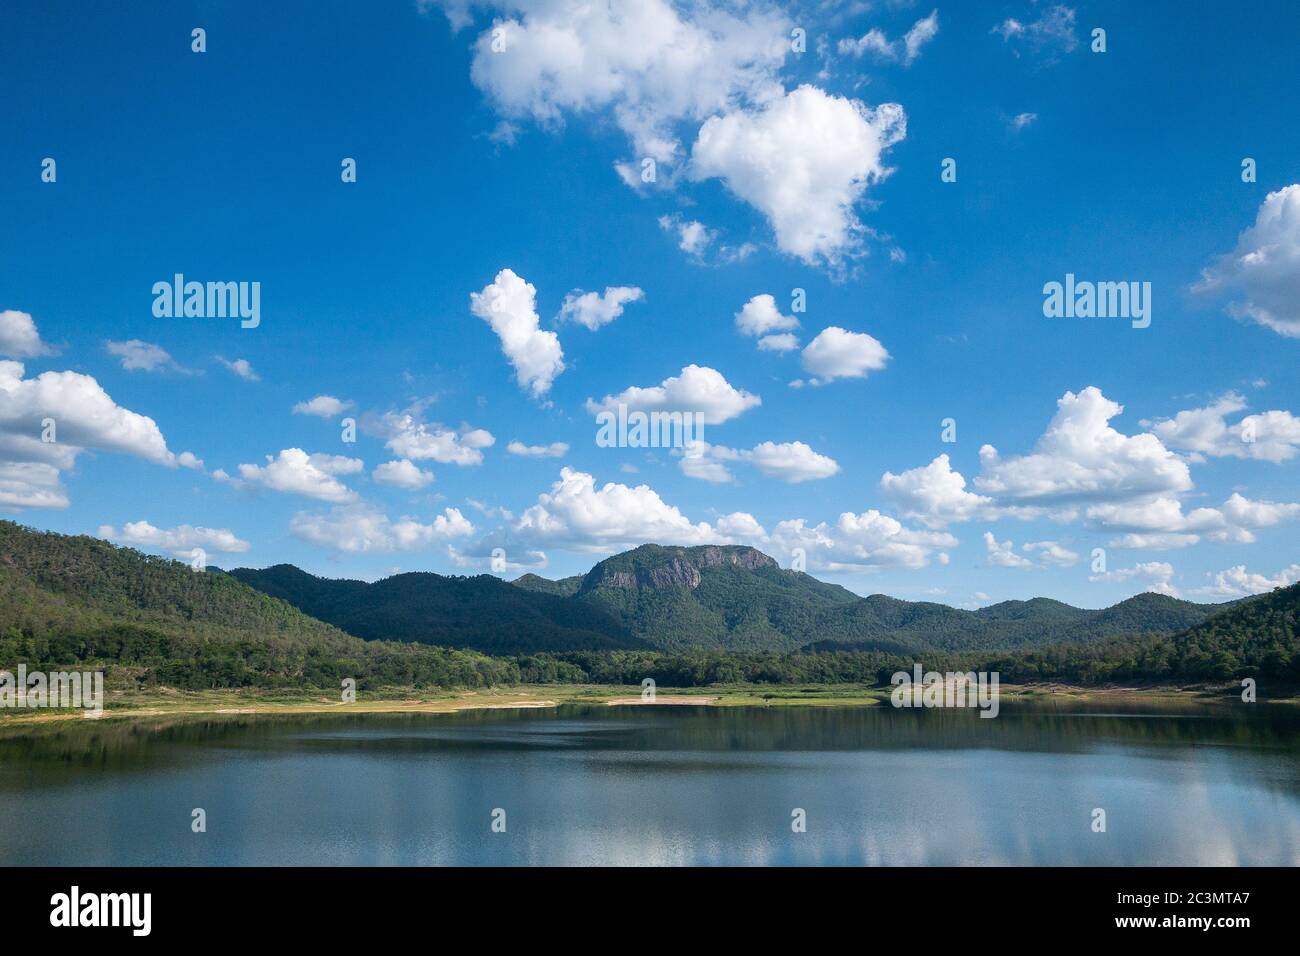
[(165, 702)]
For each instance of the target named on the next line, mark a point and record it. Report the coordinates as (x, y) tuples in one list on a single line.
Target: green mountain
[(66, 600), (1259, 635), (564, 587), (738, 599), (482, 612)]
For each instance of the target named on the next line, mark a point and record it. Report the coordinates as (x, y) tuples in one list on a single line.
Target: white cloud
[(935, 494), (1050, 552), (575, 514), (693, 237), (179, 541), (509, 306), (323, 406), (556, 449), (838, 353), (1002, 554), (294, 471), (408, 437), (497, 552), (697, 389), (760, 316), (904, 50), (138, 356), (578, 515), (361, 528), (1081, 457), (240, 367), (1156, 575), (1238, 582), (1265, 266), (697, 240), (860, 542), (1052, 32), (1021, 120), (591, 309), (804, 161), (83, 417), (1204, 432), (791, 462), (18, 336), (785, 342), (1159, 522), (653, 64), (402, 473), (1081, 465)]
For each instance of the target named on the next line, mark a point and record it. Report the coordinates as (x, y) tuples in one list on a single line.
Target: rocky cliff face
[(653, 568)]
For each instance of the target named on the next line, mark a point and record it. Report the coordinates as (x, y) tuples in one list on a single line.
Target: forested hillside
[(67, 600), (481, 612)]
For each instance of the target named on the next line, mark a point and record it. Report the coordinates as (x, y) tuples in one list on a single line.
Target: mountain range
[(728, 598), (67, 599)]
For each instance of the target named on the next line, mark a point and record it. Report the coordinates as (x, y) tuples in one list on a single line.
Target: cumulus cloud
[(1237, 582), (935, 494), (1131, 485), (1264, 268), (82, 416), (1154, 575), (1080, 457), (509, 305), (702, 243), (19, 337), (783, 342), (903, 50), (139, 356), (241, 367), (294, 471), (408, 437), (1205, 433), (860, 542), (362, 528), (838, 353), (179, 541), (322, 406), (791, 462), (759, 317), (499, 553), (577, 515), (1159, 522), (697, 389), (402, 473), (650, 64), (1050, 552), (804, 160), (592, 309), (1002, 554), (556, 449)]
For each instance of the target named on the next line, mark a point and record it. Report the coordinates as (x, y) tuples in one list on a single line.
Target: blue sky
[(482, 171)]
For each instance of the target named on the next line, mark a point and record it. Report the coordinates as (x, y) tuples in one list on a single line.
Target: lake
[(663, 785)]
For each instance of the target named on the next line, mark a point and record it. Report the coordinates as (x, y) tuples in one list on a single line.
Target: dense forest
[(79, 601)]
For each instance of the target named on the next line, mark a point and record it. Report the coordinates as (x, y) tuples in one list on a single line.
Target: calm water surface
[(667, 785)]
